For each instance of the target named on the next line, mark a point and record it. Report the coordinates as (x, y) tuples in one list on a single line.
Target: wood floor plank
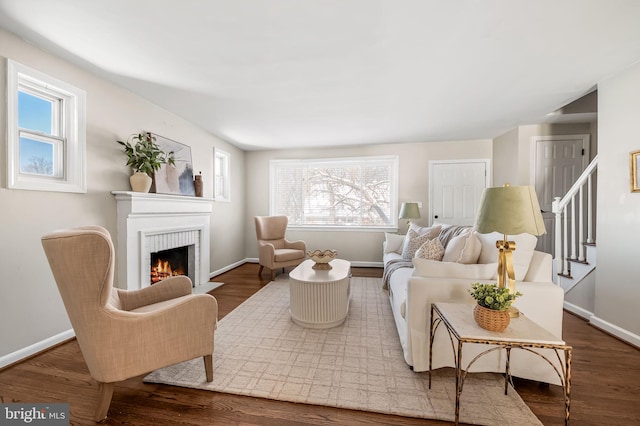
[(605, 386)]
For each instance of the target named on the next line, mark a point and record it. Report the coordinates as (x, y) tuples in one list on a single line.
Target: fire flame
[(162, 270)]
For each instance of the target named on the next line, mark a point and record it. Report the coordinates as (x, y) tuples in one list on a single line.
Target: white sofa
[(413, 289)]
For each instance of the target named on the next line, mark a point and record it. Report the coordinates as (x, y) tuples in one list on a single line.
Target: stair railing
[(569, 220)]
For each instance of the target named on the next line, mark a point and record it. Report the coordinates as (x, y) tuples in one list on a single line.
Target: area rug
[(359, 365)]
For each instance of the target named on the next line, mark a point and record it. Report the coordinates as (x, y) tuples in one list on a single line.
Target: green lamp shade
[(510, 210), (409, 211)]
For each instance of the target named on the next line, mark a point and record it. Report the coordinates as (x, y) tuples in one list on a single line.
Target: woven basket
[(491, 320)]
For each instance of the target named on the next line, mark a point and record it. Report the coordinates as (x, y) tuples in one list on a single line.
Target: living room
[(33, 318)]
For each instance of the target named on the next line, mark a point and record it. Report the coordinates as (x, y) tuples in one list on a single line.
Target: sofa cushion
[(525, 246), (431, 249), (393, 242), (416, 237), (463, 248), (435, 269)]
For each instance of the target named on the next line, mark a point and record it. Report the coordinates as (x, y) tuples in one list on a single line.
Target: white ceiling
[(265, 74)]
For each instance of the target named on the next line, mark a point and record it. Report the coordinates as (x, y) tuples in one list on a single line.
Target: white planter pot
[(140, 182)]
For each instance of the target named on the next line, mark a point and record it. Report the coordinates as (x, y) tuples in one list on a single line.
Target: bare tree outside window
[(38, 166), (338, 193)]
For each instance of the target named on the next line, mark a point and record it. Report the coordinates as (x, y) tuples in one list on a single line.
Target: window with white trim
[(342, 193), (221, 167), (46, 137)]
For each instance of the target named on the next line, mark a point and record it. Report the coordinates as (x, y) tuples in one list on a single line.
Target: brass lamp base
[(513, 312)]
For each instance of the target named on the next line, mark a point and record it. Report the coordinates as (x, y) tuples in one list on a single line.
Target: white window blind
[(338, 192)]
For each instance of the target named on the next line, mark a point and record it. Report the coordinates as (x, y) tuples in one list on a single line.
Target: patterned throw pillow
[(415, 237), (413, 243), (431, 250)]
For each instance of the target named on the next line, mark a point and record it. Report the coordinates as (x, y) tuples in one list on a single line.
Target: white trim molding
[(613, 329), (36, 348)]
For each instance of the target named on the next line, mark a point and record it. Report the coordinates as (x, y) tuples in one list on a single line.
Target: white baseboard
[(577, 310), (360, 264), (619, 332), (228, 268), (40, 346)]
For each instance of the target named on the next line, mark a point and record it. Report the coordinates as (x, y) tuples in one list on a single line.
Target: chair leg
[(273, 274), (260, 271), (208, 367), (104, 400)]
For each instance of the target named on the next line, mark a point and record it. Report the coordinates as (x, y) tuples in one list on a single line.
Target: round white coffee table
[(319, 298)]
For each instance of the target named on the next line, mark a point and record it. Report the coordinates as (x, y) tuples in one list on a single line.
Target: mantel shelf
[(132, 203)]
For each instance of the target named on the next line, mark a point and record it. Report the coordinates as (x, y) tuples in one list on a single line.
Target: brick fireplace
[(149, 224)]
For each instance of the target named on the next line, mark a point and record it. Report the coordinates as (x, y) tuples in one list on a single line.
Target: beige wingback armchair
[(123, 334), (274, 250)]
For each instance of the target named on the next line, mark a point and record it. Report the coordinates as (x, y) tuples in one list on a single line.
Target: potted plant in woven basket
[(491, 312)]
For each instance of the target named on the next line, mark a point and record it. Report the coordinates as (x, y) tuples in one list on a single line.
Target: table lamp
[(509, 210), (409, 211)]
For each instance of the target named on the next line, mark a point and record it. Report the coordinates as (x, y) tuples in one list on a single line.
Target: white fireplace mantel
[(142, 216)]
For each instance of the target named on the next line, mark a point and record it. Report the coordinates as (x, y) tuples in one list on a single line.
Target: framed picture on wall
[(635, 165), (176, 179)]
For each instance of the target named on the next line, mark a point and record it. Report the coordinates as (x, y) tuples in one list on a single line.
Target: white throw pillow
[(435, 269), (431, 249), (416, 236), (394, 243), (463, 248), (525, 246)]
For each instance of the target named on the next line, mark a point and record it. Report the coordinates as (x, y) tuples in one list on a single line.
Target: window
[(46, 132), (336, 193), (221, 166)]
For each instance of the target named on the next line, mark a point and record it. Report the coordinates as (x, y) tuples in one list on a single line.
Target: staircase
[(575, 244)]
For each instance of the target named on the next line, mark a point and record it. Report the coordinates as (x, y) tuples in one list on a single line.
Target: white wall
[(357, 246), (30, 307), (617, 290), (506, 159)]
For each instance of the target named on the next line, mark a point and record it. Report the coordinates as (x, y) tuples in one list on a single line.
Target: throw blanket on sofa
[(448, 232), (391, 267)]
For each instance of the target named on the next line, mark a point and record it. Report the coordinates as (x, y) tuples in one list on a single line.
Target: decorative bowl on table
[(322, 258)]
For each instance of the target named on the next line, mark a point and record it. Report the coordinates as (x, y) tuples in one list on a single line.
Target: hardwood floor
[(605, 385)]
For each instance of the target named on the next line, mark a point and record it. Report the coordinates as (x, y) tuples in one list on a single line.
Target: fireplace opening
[(172, 262)]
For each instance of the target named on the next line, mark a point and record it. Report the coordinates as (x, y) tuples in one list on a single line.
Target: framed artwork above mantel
[(177, 179)]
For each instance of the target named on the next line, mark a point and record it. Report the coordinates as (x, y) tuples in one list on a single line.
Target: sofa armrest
[(540, 268), (542, 303)]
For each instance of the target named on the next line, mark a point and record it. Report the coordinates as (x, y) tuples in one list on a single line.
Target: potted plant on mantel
[(491, 312), (144, 157)]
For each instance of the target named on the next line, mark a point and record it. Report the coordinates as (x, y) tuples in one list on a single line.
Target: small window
[(46, 132), (337, 193), (222, 184)]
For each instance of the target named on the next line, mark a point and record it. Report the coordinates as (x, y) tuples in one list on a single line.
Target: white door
[(559, 161), (455, 188)]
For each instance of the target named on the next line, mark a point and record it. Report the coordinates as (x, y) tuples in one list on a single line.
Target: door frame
[(488, 177)]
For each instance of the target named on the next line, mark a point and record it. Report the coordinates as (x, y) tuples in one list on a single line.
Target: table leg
[(431, 345), (507, 370), (567, 385), (458, 381)]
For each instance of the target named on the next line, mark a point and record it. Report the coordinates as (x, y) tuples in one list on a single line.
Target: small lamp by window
[(409, 211)]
